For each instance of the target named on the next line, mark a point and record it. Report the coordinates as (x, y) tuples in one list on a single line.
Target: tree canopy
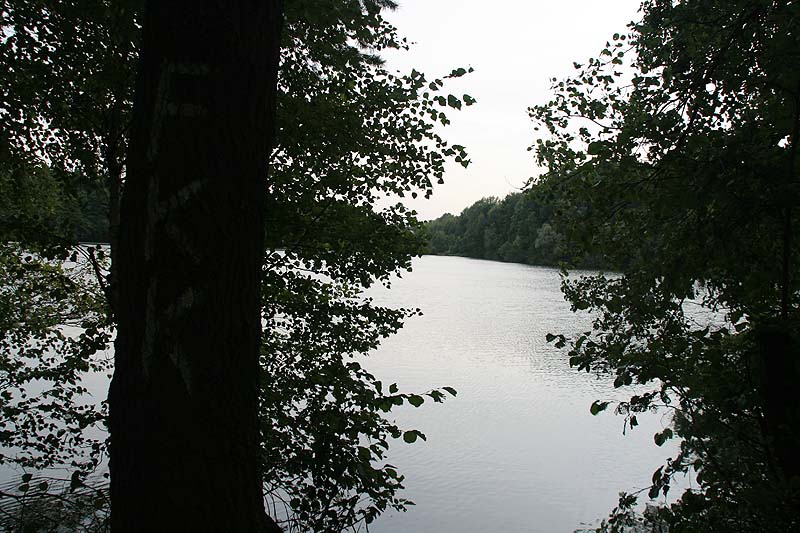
[(520, 228), (674, 154), (348, 132)]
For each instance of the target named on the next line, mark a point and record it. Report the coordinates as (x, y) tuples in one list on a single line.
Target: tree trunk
[(183, 400), (780, 387)]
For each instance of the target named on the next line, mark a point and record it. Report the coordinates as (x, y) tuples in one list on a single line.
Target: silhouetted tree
[(348, 132), (674, 154), (184, 396)]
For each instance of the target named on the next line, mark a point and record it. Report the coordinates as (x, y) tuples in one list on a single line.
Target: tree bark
[(183, 400)]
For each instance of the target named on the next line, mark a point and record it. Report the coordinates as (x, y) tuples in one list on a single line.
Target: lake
[(517, 450)]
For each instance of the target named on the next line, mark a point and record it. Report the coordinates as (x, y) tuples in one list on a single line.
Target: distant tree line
[(32, 199), (520, 228)]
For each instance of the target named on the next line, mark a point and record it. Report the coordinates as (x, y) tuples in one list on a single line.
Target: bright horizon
[(515, 48)]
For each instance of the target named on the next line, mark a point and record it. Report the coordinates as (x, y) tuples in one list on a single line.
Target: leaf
[(453, 392), (410, 436), (415, 400), (437, 396), (453, 102), (594, 148), (657, 475), (393, 388), (75, 481), (662, 437), (598, 407), (364, 453)]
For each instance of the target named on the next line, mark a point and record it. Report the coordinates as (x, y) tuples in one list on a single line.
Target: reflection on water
[(517, 450)]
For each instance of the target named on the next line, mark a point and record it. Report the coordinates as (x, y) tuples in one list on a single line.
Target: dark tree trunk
[(183, 400), (780, 386)]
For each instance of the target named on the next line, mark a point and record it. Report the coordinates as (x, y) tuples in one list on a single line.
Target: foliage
[(520, 228), (674, 154), (65, 93), (52, 505), (63, 99), (44, 409), (349, 133), (35, 207), (53, 327)]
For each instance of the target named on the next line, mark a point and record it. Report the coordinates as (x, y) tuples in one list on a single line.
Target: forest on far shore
[(520, 228)]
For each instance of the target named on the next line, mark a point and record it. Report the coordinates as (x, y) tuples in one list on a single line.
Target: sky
[(515, 47)]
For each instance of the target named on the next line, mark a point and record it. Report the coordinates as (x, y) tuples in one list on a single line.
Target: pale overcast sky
[(515, 47)]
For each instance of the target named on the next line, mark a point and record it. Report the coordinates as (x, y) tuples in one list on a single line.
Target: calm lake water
[(517, 450)]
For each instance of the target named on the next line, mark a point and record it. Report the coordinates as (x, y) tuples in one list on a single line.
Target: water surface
[(517, 450)]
